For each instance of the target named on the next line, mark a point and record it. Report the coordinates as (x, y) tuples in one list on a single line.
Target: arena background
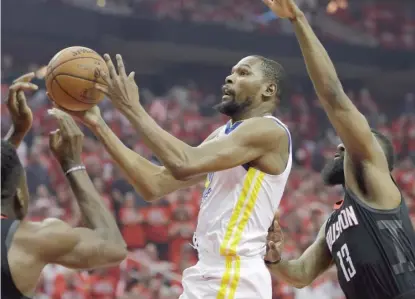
[(182, 50)]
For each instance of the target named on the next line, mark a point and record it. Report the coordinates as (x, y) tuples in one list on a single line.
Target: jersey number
[(346, 262)]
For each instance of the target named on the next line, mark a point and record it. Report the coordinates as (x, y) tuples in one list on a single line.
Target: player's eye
[(243, 72)]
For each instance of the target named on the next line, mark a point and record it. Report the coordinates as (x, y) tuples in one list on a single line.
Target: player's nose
[(229, 80)]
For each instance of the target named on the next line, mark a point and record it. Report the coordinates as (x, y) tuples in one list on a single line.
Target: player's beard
[(231, 107), (333, 172)]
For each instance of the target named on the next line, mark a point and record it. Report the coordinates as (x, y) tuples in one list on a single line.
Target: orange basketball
[(71, 76)]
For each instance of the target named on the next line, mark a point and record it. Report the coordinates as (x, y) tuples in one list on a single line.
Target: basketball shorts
[(227, 278)]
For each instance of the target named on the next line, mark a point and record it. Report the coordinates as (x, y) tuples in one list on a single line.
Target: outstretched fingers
[(121, 66), (111, 68)]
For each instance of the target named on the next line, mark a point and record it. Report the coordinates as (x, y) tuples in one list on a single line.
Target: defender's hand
[(20, 112), (66, 142), (121, 89), (285, 9), (90, 118), (275, 241)]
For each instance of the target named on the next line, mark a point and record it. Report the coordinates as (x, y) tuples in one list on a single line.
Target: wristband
[(75, 168), (272, 263)]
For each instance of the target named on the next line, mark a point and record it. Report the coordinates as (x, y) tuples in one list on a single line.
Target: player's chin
[(333, 173), (226, 106)]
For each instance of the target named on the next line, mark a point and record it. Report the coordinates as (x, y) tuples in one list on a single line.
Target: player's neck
[(256, 112)]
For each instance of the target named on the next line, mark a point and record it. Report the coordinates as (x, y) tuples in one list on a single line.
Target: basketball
[(71, 76)]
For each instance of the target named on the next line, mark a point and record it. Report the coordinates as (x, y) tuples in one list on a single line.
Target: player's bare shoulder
[(273, 135)]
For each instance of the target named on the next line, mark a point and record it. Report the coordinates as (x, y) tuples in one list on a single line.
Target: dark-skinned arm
[(22, 118), (253, 138), (303, 271), (101, 243), (351, 125), (93, 209), (14, 137)]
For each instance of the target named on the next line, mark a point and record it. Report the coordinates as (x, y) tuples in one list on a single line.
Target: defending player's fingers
[(12, 102), (54, 139), (272, 245), (25, 86), (70, 131), (121, 66), (276, 227), (275, 237), (275, 250), (22, 102), (59, 115), (25, 78), (277, 216)]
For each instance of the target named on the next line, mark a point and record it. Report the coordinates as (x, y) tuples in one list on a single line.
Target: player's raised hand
[(20, 112), (275, 241), (121, 89), (66, 142), (285, 9)]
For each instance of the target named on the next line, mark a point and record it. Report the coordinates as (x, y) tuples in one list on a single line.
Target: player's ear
[(269, 91)]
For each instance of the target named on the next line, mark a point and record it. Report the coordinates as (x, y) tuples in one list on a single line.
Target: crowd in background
[(159, 233), (391, 23)]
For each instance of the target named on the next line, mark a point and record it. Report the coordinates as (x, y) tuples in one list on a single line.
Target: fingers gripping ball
[(71, 76)]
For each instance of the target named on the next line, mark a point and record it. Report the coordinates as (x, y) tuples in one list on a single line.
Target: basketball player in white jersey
[(246, 163)]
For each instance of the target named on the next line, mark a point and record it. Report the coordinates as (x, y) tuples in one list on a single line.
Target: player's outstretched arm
[(350, 124), (248, 142), (252, 139), (98, 245), (149, 180), (300, 272), (22, 119)]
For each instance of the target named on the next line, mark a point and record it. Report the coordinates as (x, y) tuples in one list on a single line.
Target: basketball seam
[(57, 82), (72, 59), (77, 77)]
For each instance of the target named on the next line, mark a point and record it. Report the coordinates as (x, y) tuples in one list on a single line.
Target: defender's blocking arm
[(351, 126), (303, 271)]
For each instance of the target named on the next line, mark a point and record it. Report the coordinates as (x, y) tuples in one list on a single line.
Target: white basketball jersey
[(238, 206)]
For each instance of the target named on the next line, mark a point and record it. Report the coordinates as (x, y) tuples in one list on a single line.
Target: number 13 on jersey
[(346, 262)]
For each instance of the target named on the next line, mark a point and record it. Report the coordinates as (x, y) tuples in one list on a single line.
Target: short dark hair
[(11, 170), (387, 147), (274, 72)]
